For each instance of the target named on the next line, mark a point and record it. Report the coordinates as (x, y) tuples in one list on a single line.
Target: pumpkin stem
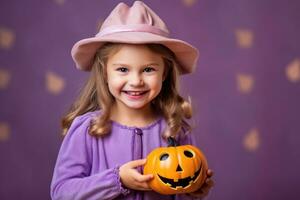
[(172, 142)]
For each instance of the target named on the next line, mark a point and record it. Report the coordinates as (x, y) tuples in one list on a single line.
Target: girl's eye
[(122, 69), (149, 69)]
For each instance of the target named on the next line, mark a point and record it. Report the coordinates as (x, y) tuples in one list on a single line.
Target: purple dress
[(88, 167)]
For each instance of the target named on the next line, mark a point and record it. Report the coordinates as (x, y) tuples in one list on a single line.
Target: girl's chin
[(136, 106)]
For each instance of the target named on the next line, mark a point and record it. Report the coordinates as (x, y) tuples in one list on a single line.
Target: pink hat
[(134, 25)]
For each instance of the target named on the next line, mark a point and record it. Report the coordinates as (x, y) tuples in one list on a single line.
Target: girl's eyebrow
[(155, 64), (123, 64), (119, 64)]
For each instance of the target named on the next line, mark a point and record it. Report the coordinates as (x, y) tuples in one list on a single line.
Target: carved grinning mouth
[(183, 182)]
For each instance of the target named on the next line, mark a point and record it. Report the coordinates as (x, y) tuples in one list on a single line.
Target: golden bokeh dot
[(292, 71), (189, 3), (4, 131), (244, 38), (4, 79), (252, 140), (7, 38), (60, 2), (54, 83), (245, 83)]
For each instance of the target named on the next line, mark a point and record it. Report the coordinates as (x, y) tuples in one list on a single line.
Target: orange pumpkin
[(176, 169)]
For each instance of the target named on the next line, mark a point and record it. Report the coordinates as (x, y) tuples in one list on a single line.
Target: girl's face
[(134, 76)]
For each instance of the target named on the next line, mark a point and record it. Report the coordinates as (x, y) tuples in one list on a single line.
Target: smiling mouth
[(183, 182), (135, 93)]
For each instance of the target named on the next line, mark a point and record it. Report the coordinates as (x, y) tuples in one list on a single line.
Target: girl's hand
[(131, 178), (204, 190)]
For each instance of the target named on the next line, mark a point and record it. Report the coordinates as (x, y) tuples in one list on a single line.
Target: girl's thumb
[(139, 162)]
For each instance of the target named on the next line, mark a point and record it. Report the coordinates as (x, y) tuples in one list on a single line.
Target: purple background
[(45, 32)]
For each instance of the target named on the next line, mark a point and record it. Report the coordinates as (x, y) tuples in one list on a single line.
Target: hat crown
[(139, 15), (134, 25)]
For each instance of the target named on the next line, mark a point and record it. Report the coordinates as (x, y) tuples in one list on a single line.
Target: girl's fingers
[(142, 186), (209, 173), (147, 177), (201, 192), (136, 185), (205, 188), (204, 193), (209, 183), (143, 178), (136, 163)]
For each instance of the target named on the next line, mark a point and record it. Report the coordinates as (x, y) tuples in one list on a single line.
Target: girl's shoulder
[(88, 115), (81, 123)]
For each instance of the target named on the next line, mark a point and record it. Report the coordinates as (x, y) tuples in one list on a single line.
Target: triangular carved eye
[(164, 156), (188, 154)]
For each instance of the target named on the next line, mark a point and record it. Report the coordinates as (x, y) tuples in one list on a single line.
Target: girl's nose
[(136, 80)]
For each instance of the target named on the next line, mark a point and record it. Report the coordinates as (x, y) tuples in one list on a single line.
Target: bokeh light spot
[(60, 2), (4, 131), (245, 83), (54, 83), (252, 140), (189, 3), (292, 71), (5, 77), (244, 38), (7, 38)]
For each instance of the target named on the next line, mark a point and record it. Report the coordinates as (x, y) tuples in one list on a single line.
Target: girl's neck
[(133, 117)]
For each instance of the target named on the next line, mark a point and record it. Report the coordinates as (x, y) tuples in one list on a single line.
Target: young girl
[(128, 107)]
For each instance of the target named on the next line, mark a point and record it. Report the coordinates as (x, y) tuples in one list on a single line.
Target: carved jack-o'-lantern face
[(176, 169)]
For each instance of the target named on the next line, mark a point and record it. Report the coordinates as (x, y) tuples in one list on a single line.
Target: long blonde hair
[(95, 95)]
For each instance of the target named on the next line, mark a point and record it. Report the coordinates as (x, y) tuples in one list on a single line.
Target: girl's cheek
[(155, 85), (116, 84), (156, 82)]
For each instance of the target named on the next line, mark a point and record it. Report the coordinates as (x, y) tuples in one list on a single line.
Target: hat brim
[(83, 51)]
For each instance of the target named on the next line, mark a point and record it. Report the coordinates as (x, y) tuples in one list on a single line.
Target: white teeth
[(134, 93)]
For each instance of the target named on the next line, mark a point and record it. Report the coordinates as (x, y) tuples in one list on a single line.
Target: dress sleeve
[(71, 177)]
